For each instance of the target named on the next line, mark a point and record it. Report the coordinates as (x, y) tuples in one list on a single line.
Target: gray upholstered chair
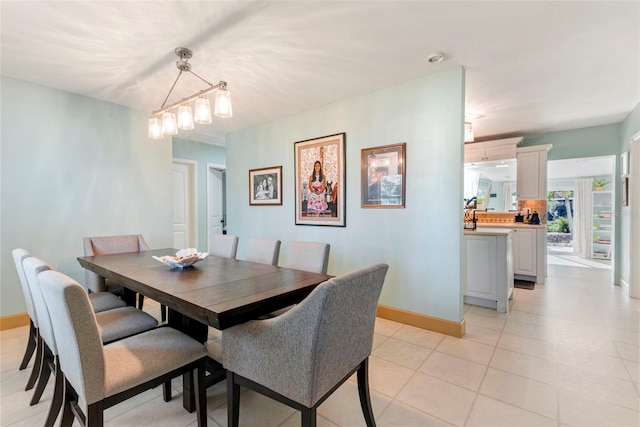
[(99, 376), (224, 245), (113, 325), (264, 251), (302, 356), (33, 340), (309, 256)]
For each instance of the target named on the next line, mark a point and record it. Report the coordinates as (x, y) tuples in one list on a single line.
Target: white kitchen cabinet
[(532, 172), (500, 149), (524, 252), (489, 269)]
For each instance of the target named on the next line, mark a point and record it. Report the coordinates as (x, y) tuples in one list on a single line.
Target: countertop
[(488, 231), (508, 225)]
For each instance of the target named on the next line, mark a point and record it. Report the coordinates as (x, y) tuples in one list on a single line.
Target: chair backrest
[(76, 333), (105, 245), (264, 251), (19, 255), (32, 267), (224, 245), (309, 256)]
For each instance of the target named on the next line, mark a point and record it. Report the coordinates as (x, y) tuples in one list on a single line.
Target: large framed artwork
[(320, 181), (265, 186), (383, 176)]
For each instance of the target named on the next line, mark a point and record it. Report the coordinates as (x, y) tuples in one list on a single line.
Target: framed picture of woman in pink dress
[(319, 181)]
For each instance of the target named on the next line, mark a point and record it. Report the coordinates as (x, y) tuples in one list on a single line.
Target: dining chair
[(224, 245), (264, 251), (100, 376), (105, 245), (33, 339), (301, 357), (309, 256), (113, 325)]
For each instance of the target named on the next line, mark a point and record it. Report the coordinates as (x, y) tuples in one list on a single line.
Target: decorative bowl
[(183, 258)]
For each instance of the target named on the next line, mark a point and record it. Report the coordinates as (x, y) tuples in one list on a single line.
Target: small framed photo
[(265, 186), (383, 176), (624, 190), (320, 181)]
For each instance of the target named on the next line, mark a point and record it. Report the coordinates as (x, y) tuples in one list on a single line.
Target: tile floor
[(566, 355)]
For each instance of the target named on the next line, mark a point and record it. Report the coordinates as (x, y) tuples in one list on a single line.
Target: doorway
[(216, 201), (185, 205)]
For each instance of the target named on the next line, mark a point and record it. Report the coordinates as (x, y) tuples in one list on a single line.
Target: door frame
[(193, 167), (221, 168)]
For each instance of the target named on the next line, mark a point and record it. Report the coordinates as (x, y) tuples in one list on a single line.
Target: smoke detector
[(435, 58)]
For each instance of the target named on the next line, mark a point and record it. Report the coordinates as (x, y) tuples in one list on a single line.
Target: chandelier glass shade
[(165, 122)]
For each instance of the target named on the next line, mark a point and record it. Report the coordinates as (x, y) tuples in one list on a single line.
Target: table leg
[(198, 331), (129, 297)]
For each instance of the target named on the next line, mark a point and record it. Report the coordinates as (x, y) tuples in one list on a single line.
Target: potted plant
[(598, 184)]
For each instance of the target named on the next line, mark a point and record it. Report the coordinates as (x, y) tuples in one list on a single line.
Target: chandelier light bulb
[(223, 104), (169, 125), (185, 118), (155, 128), (203, 110)]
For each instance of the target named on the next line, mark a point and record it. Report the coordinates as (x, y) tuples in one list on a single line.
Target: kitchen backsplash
[(539, 206)]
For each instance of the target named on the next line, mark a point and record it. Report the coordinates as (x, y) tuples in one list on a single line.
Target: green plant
[(560, 225), (596, 237), (600, 182)]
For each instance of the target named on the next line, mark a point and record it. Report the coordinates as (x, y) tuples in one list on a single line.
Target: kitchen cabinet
[(489, 268), (499, 149), (532, 172), (530, 253), (602, 229)]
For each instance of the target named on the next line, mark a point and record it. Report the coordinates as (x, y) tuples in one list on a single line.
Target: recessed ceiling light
[(434, 58)]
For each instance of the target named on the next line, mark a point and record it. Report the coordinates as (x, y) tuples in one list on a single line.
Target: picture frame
[(624, 191), (265, 186), (320, 198), (383, 180)]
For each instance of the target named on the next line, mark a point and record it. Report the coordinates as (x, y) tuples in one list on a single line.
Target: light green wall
[(591, 142), (71, 167), (421, 243), (203, 154)]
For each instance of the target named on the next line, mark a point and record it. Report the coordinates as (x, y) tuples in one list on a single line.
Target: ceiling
[(531, 67)]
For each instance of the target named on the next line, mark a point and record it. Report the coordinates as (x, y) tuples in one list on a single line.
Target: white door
[(215, 202), (184, 222)]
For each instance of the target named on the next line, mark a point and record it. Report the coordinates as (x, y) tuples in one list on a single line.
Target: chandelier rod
[(222, 85), (171, 90)]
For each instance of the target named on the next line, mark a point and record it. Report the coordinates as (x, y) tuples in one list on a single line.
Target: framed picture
[(320, 181), (383, 176), (624, 190), (265, 186)]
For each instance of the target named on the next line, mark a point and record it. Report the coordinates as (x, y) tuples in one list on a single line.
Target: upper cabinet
[(491, 150), (532, 172)]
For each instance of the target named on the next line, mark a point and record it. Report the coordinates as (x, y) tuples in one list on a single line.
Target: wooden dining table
[(218, 292)]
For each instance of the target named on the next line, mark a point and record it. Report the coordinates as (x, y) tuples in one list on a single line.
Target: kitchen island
[(489, 275)]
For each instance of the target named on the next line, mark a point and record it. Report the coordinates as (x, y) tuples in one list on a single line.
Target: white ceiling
[(531, 67)]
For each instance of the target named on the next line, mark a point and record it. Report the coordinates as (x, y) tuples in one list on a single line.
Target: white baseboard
[(625, 286)]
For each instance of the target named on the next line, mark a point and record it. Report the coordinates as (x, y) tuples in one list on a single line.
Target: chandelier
[(165, 121)]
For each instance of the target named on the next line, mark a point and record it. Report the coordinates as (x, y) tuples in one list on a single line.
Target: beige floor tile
[(485, 409), (489, 322), (481, 335), (464, 349), (387, 377), (400, 415), (624, 336), (570, 341), (592, 361), (529, 346), (255, 410), (529, 330), (628, 352), (437, 398), (531, 367), (595, 385), (419, 336), (386, 327), (155, 412), (534, 319), (520, 391), (378, 339), (14, 381), (343, 406), (454, 370), (15, 406), (403, 353), (486, 311), (294, 421), (634, 370), (579, 410), (139, 400)]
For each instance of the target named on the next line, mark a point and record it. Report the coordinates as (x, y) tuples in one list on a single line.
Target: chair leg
[(201, 395), (45, 374), (95, 414), (363, 391), (308, 417), (35, 371), (163, 312), (58, 396), (233, 401), (67, 412), (31, 345), (140, 301), (166, 391)]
